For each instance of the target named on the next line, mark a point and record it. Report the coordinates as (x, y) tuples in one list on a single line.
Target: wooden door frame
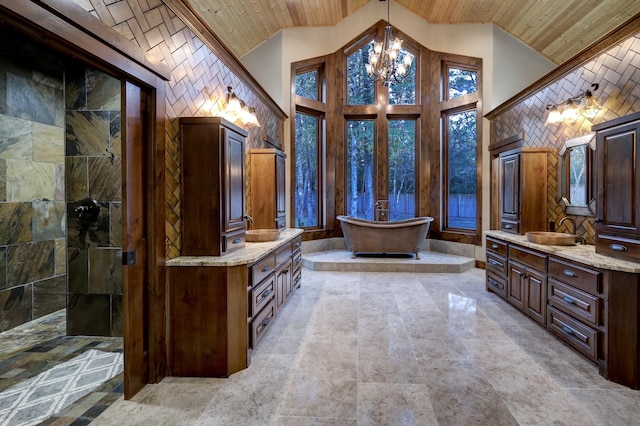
[(70, 30)]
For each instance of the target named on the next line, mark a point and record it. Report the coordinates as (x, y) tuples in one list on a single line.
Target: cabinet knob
[(569, 300), (266, 268), (507, 226), (494, 246), (265, 294), (597, 220), (569, 273), (237, 240)]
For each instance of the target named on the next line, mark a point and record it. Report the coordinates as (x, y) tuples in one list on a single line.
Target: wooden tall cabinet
[(213, 186), (523, 190), (268, 202), (618, 187)]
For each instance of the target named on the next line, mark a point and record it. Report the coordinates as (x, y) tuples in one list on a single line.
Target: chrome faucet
[(570, 219), (249, 220)]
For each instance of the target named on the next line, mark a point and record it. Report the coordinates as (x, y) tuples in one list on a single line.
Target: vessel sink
[(261, 235), (551, 238)]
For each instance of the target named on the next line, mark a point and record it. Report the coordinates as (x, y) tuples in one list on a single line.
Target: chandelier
[(385, 63)]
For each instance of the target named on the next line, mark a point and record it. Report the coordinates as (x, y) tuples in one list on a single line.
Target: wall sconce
[(569, 111), (237, 111)]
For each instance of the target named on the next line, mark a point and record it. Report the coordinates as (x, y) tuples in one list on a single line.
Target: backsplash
[(617, 71), (198, 75)]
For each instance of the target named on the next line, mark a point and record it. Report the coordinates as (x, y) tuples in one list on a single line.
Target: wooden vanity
[(589, 301), (220, 307)]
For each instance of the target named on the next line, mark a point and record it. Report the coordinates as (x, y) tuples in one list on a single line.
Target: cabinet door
[(283, 284), (617, 182), (516, 288), (535, 295), (510, 167), (234, 180), (280, 186)]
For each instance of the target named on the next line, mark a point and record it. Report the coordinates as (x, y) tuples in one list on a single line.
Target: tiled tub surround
[(32, 207), (589, 301), (354, 348)]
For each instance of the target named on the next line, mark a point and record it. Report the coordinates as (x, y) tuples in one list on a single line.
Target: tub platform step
[(430, 261)]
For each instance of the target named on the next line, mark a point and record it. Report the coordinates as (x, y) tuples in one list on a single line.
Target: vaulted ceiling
[(558, 29)]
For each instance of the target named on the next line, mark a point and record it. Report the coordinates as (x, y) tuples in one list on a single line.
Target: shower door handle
[(128, 258)]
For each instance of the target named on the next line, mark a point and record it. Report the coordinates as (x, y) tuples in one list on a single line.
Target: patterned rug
[(34, 400)]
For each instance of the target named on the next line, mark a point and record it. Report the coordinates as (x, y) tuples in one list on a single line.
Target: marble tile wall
[(32, 207), (94, 170)]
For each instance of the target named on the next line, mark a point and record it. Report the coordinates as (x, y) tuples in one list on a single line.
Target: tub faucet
[(249, 220), (570, 219), (382, 209)]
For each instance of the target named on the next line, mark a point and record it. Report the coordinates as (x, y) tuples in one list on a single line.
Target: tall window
[(381, 141), (308, 148), (460, 148)]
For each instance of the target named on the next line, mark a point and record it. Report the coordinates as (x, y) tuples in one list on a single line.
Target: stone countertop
[(585, 253), (250, 253)]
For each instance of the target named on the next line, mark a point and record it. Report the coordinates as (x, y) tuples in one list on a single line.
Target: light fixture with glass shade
[(237, 111), (570, 110), (386, 63)]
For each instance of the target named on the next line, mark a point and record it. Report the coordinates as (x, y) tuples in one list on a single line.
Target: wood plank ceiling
[(558, 29)]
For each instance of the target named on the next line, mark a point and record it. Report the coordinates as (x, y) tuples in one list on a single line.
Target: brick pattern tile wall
[(617, 71), (198, 83)]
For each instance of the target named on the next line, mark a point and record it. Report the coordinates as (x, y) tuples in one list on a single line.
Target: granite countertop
[(250, 253), (582, 253)]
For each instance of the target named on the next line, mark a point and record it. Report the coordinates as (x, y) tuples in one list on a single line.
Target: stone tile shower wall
[(199, 79), (617, 71), (32, 207), (94, 171)]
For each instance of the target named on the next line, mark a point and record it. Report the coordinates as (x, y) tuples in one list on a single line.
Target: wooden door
[(134, 241), (618, 180), (516, 290), (510, 168), (234, 185), (535, 295), (280, 186)]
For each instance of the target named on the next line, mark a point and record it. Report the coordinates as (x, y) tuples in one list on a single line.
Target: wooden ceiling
[(558, 29)]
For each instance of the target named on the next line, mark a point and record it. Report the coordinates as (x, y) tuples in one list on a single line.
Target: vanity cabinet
[(523, 190), (213, 186), (594, 310), (618, 187), (268, 202), (219, 310)]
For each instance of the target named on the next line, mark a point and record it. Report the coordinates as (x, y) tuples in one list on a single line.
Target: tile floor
[(30, 349), (358, 348)]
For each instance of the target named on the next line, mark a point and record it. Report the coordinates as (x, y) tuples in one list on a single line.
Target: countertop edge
[(584, 254), (250, 253)]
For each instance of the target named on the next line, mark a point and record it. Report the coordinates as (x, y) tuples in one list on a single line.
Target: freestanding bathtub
[(399, 237)]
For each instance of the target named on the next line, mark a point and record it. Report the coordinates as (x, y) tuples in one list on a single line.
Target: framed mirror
[(577, 175)]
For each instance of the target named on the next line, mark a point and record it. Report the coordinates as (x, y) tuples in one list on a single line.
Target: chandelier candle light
[(385, 63)]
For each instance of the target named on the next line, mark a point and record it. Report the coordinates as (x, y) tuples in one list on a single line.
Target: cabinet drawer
[(574, 302), (261, 323), (582, 338), (497, 246), (528, 257), (297, 279), (497, 284), (283, 254), (511, 226), (589, 280), (297, 260), (621, 248), (262, 268), (262, 294), (233, 241), (497, 264), (296, 243), (281, 222)]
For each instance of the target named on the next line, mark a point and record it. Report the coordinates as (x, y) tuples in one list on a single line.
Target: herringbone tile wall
[(197, 86), (617, 71)]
